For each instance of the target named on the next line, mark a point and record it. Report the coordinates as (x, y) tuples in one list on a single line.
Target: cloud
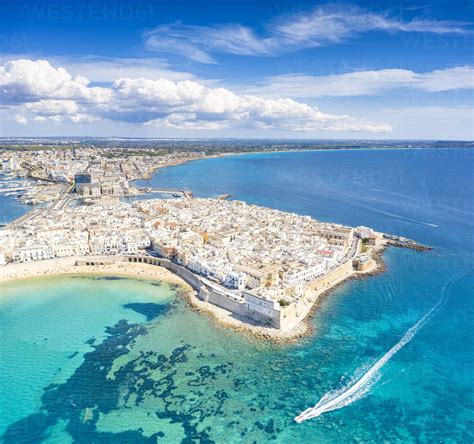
[(361, 83), (432, 122), (324, 25), (186, 121), (57, 111), (27, 80), (37, 91), (52, 107), (335, 23), (106, 70), (99, 69), (161, 92), (461, 77), (188, 104), (197, 42), (20, 119)]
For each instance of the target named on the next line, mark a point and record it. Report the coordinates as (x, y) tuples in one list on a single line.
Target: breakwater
[(403, 242)]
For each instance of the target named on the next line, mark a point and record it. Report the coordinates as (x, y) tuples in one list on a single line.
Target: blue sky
[(237, 69)]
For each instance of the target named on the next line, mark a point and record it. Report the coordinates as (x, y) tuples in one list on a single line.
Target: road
[(351, 254)]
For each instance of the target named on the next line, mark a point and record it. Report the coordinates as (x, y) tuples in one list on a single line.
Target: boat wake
[(359, 386), (408, 219)]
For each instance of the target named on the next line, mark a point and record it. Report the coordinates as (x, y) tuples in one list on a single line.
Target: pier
[(171, 191)]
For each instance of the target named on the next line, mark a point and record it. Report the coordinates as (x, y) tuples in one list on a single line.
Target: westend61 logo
[(88, 11)]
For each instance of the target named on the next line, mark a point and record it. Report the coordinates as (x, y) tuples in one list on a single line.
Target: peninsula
[(254, 268)]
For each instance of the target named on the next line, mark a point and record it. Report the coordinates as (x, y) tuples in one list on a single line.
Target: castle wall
[(280, 319)]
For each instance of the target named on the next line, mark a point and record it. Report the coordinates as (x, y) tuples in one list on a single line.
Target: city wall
[(216, 297), (239, 308), (205, 292), (280, 319), (328, 280)]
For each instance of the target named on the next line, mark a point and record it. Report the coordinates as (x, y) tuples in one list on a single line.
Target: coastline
[(67, 266), (302, 329), (226, 319), (149, 174), (222, 317)]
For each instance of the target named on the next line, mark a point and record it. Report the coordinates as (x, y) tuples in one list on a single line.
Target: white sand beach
[(67, 266), (223, 317)]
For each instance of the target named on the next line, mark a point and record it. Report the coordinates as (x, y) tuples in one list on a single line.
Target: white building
[(234, 280), (3, 261), (33, 253), (302, 275), (199, 266)]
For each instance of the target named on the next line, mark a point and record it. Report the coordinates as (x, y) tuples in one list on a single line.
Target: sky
[(250, 69)]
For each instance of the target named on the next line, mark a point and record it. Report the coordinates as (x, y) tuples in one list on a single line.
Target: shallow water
[(158, 370)]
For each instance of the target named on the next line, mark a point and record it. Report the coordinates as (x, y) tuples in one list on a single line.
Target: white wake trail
[(359, 387)]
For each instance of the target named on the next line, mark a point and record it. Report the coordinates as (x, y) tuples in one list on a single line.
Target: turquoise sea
[(86, 359)]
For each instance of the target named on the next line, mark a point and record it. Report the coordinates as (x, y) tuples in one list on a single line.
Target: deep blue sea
[(101, 360)]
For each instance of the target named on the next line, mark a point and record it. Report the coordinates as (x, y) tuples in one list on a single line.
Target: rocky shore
[(304, 328)]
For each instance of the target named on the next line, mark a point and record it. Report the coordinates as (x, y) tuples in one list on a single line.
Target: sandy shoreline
[(222, 317), (67, 266)]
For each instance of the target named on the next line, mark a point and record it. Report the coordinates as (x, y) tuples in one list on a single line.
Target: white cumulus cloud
[(38, 91), (25, 80)]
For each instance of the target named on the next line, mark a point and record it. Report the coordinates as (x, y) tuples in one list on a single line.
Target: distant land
[(213, 146)]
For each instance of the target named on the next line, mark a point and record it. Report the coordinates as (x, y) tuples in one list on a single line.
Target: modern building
[(82, 178)]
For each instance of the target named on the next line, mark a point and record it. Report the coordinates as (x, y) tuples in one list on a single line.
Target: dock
[(173, 192)]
